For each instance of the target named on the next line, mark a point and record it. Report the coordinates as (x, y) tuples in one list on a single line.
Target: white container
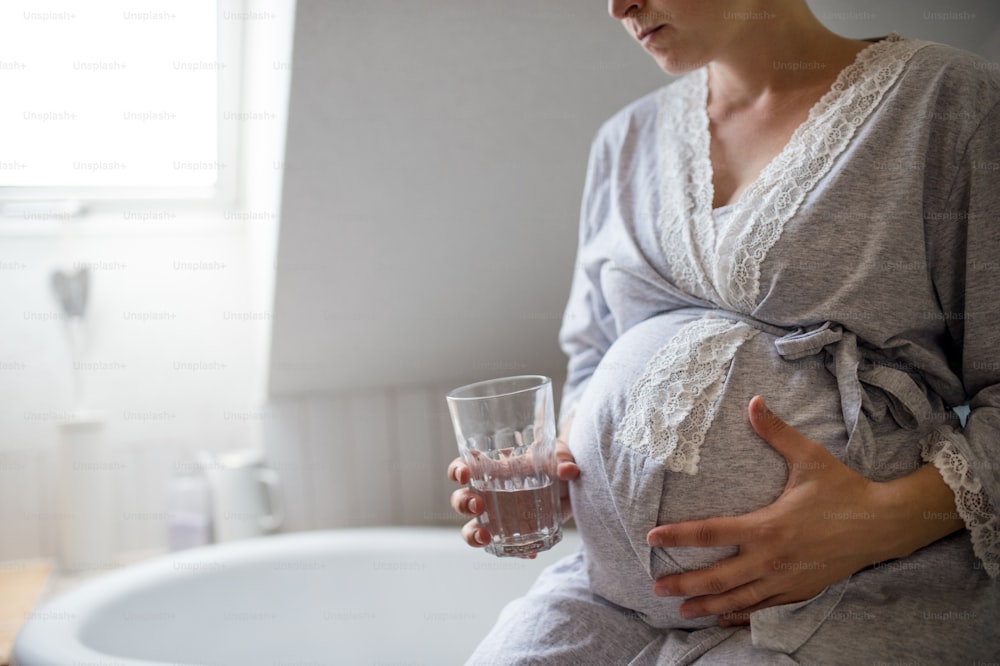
[(246, 495), (190, 512), (86, 480)]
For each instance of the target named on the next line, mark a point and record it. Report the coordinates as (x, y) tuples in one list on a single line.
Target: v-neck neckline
[(802, 128), (730, 276)]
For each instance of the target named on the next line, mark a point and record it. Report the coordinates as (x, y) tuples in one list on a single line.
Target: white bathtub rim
[(87, 600)]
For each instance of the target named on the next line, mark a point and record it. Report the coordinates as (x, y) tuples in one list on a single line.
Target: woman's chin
[(673, 65)]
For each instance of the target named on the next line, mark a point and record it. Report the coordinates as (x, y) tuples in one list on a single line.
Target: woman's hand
[(467, 503), (828, 523)]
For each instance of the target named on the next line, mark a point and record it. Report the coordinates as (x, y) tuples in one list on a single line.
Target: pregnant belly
[(662, 435)]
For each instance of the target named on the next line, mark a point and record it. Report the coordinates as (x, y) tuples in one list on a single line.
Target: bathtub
[(356, 596)]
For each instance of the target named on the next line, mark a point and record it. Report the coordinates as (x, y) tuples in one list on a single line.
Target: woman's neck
[(781, 57)]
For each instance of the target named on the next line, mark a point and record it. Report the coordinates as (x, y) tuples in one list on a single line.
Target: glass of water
[(506, 434)]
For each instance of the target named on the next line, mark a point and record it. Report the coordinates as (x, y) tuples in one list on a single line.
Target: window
[(109, 100)]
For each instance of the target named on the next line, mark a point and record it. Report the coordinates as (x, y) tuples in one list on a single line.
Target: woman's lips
[(648, 33)]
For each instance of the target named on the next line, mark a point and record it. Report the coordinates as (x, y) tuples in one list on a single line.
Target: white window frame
[(31, 209)]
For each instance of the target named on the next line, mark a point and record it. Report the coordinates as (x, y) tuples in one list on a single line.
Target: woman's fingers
[(474, 534), (566, 468), (466, 502), (722, 577), (711, 532), (458, 471), (567, 471), (799, 451)]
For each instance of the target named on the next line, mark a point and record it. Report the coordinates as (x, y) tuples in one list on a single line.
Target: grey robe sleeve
[(969, 291), (588, 328)]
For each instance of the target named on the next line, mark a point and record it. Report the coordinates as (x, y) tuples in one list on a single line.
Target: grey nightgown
[(855, 285)]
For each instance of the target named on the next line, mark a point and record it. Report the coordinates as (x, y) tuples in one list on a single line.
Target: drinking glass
[(505, 429)]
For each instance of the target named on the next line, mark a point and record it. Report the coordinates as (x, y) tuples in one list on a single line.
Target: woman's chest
[(742, 143)]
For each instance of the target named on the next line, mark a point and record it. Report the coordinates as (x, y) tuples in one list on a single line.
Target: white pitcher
[(246, 495)]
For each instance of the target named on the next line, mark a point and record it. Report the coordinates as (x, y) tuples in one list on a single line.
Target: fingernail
[(655, 541), (688, 613), (661, 591), (474, 505), (762, 408), (480, 539)]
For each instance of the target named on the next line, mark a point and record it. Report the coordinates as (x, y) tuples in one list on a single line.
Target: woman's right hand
[(467, 503)]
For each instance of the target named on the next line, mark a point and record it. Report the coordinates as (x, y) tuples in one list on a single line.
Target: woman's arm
[(962, 228)]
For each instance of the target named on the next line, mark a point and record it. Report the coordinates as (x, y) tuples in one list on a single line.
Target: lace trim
[(672, 405), (810, 154), (685, 169), (971, 500), (688, 236)]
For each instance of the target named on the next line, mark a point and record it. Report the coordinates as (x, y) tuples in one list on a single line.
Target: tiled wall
[(31, 511), (364, 458)]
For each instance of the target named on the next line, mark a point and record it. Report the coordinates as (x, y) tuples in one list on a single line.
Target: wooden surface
[(21, 585)]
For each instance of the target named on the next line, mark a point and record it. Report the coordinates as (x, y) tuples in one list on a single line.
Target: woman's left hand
[(822, 528)]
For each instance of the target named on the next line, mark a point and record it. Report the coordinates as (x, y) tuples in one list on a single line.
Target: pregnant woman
[(813, 222)]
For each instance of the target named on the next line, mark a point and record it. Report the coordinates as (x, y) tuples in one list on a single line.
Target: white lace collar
[(687, 233)]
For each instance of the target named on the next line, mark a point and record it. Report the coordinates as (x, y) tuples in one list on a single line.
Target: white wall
[(973, 25), (436, 154)]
